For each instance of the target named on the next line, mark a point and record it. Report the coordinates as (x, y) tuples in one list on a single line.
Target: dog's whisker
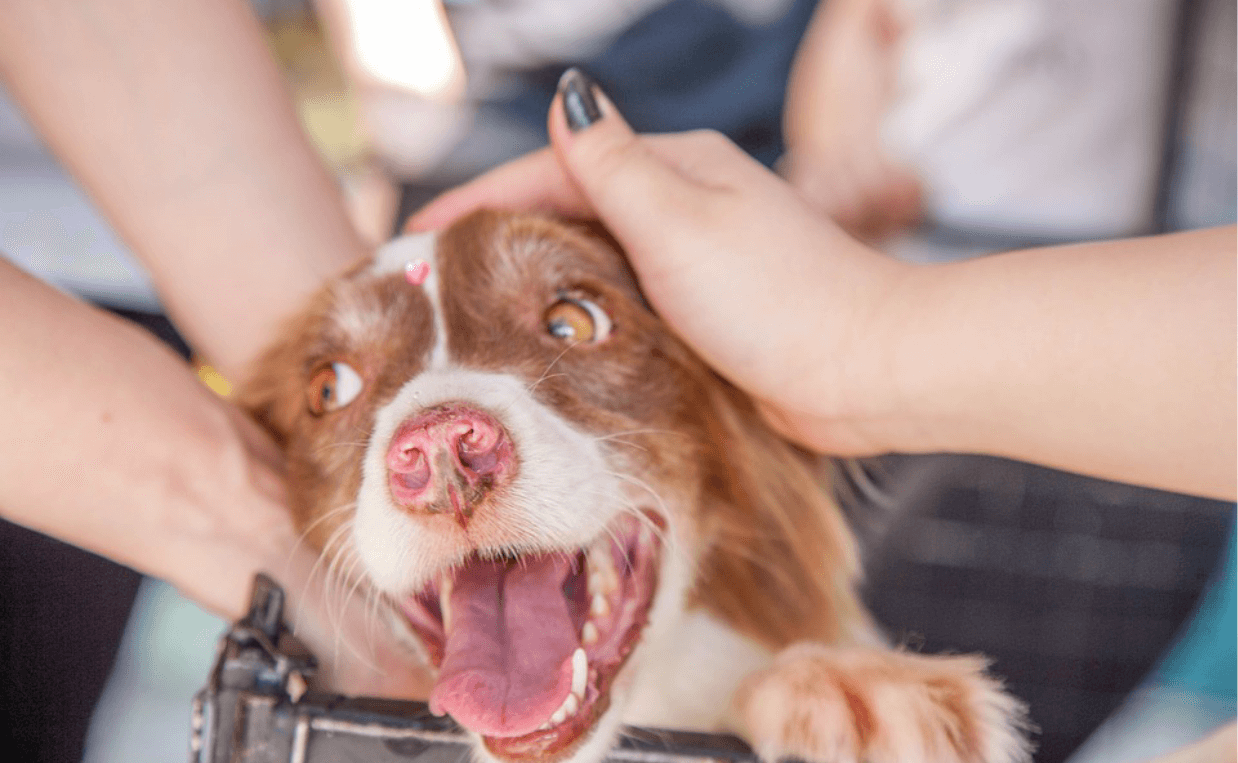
[(545, 374), (329, 514), (543, 378), (637, 482), (344, 567), (304, 534), (632, 432), (359, 582), (332, 577), (317, 568), (333, 445)]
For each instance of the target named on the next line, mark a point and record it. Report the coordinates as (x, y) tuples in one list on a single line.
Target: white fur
[(687, 677), (563, 494), (394, 256)]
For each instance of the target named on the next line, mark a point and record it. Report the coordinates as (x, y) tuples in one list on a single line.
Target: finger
[(535, 182), (538, 182), (635, 191), (906, 195)]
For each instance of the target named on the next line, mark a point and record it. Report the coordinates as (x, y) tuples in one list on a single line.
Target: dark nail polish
[(579, 104)]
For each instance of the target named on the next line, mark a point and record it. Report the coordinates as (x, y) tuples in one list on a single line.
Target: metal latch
[(257, 708)]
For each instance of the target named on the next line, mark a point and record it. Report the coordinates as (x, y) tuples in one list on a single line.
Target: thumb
[(634, 191)]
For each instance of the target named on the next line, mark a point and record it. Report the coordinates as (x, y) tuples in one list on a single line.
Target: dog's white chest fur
[(688, 679)]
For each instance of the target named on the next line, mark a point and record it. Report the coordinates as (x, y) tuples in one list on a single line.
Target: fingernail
[(580, 106)]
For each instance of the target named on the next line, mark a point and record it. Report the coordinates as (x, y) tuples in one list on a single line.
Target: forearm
[(111, 444), (176, 120), (1113, 359)]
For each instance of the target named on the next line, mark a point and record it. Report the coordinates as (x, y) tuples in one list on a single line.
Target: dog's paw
[(850, 705)]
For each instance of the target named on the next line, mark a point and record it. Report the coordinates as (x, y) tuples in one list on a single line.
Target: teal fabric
[(1205, 657)]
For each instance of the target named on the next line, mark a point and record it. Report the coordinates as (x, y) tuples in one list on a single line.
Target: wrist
[(887, 403), (221, 511)]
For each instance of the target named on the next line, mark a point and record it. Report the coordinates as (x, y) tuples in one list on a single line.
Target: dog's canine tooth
[(589, 634), (565, 711), (580, 673)]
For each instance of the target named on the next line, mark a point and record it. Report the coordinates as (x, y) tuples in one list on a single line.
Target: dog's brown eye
[(577, 320), (332, 388)]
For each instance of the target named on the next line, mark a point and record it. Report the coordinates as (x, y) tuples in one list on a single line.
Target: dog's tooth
[(594, 576), (603, 578), (580, 675), (444, 600), (589, 634), (565, 711), (544, 727), (599, 607)]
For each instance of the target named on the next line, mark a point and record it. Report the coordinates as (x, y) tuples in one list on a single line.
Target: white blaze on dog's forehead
[(394, 257), (395, 254)]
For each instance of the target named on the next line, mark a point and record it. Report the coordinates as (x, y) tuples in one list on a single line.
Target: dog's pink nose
[(446, 459)]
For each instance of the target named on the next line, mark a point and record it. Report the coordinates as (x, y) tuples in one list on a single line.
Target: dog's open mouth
[(527, 647)]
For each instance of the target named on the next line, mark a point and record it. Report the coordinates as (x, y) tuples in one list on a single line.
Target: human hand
[(114, 446), (773, 296), (839, 92)]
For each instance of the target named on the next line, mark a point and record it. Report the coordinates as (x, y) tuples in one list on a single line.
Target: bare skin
[(841, 88), (176, 120), (1112, 359), (177, 483)]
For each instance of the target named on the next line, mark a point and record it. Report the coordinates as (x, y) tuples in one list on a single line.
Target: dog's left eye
[(333, 387), (576, 319)]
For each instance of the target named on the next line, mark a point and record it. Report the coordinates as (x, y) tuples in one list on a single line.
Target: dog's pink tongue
[(507, 663)]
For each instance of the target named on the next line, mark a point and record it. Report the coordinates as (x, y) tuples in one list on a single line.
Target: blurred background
[(1008, 123)]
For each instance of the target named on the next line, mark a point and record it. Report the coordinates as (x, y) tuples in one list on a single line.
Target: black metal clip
[(257, 708)]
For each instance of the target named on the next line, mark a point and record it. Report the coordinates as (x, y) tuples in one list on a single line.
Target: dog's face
[(537, 477)]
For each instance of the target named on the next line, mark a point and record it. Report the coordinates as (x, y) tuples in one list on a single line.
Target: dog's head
[(537, 477)]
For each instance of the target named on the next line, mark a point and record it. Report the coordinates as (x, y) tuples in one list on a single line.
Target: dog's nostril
[(478, 454), (407, 456), (412, 481), (410, 466)]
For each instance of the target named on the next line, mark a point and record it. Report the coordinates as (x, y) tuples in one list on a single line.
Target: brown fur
[(828, 703), (774, 557)]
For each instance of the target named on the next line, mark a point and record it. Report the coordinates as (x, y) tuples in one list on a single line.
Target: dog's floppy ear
[(781, 563), (270, 393), (273, 389)]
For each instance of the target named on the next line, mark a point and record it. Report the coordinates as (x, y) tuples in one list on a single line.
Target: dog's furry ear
[(266, 394), (273, 390), (782, 564)]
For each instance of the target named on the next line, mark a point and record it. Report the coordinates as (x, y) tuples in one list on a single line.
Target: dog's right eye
[(333, 387)]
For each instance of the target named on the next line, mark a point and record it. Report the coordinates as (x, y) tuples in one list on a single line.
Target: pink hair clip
[(416, 272)]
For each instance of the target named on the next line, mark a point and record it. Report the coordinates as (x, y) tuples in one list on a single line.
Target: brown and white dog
[(577, 524)]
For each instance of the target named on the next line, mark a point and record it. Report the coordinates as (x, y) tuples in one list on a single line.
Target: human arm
[(112, 444), (842, 84), (175, 119), (1115, 359)]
